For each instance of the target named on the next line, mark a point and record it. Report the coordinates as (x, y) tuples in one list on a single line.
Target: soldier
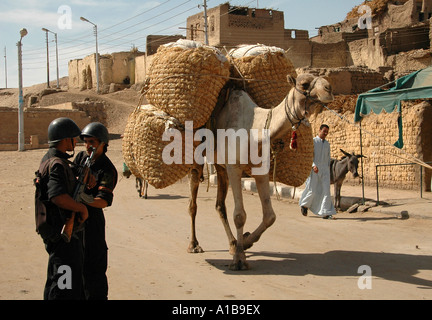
[(95, 136), (57, 182)]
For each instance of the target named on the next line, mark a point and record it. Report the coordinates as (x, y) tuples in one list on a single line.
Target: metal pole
[(97, 60), (376, 177), (205, 23), (361, 161), (421, 181), (23, 33), (55, 35), (57, 65), (97, 53), (47, 50), (5, 67)]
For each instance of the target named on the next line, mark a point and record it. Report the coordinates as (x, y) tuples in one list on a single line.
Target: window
[(212, 24), (192, 32)]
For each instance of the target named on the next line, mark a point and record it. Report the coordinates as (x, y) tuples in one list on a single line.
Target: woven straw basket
[(143, 147), (266, 69), (128, 144), (185, 81), (293, 167)]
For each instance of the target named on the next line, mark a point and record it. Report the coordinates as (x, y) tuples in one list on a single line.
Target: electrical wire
[(116, 39)]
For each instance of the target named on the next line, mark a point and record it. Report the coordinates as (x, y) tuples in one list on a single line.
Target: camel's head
[(307, 91)]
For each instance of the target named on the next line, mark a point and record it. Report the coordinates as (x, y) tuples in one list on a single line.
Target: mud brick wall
[(379, 133), (36, 122), (430, 32), (362, 81), (95, 110), (348, 80)]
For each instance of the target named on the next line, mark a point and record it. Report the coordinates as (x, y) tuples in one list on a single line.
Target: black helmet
[(62, 128), (96, 130)]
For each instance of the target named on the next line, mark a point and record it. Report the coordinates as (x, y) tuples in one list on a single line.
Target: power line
[(73, 49), (69, 48)]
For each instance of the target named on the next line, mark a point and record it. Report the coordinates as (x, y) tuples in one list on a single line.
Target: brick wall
[(349, 80), (379, 132), (36, 122), (329, 55)]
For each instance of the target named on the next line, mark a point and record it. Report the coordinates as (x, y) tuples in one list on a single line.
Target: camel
[(241, 112)]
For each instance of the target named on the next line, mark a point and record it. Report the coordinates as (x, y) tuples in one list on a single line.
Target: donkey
[(338, 171)]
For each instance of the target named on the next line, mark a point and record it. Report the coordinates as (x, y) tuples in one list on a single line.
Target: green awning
[(417, 85)]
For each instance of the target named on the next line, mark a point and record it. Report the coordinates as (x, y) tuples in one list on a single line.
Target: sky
[(121, 25)]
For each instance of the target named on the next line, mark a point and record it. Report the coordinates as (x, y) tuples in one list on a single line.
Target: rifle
[(78, 196)]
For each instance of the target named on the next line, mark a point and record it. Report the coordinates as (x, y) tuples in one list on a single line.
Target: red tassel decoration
[(293, 143)]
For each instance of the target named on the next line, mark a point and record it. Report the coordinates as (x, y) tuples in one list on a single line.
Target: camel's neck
[(282, 118)]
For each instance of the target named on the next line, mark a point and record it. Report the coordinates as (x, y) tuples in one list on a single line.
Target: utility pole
[(23, 33), (58, 80), (205, 23), (97, 54), (5, 67), (47, 50), (55, 36)]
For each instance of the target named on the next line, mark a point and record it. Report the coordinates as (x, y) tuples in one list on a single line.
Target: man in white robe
[(316, 196)]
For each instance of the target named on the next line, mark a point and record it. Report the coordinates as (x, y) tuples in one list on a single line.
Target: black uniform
[(63, 257), (96, 250)]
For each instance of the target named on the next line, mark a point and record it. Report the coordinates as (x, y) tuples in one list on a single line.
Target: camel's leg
[(194, 181), (234, 176), (269, 217), (145, 188), (222, 190)]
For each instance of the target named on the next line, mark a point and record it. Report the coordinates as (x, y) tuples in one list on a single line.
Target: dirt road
[(357, 256)]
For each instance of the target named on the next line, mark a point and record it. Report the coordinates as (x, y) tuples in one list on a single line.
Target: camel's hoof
[(239, 265), (195, 249)]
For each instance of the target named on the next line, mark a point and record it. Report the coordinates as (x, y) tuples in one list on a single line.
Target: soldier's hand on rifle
[(91, 181), (82, 214)]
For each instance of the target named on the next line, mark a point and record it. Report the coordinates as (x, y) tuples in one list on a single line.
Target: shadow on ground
[(388, 266)]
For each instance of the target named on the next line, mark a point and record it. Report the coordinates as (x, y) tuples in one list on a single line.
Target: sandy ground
[(297, 258)]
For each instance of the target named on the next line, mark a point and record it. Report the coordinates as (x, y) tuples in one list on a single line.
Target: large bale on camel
[(293, 166), (143, 147), (128, 144), (264, 71), (185, 79)]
